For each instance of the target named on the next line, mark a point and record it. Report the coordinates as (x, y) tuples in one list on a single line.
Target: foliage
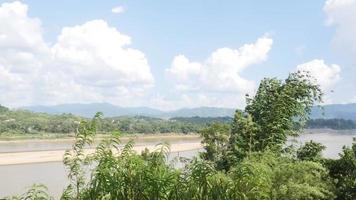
[(203, 121), (269, 118), (268, 175), (26, 122), (20, 122), (121, 173), (214, 140), (3, 109), (142, 124), (75, 159), (35, 192), (310, 151), (343, 170), (277, 107)]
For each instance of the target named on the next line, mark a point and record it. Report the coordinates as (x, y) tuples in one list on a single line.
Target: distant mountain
[(344, 111), (89, 110), (201, 112), (109, 110)]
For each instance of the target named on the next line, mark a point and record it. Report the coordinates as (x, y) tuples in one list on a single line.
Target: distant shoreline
[(70, 137), (329, 130)]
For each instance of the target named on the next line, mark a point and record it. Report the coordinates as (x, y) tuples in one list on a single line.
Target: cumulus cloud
[(88, 63), (220, 72), (325, 75), (96, 54), (23, 52), (342, 15), (118, 10)]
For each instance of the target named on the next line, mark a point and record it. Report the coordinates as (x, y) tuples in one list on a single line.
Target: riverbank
[(71, 137), (17, 158)]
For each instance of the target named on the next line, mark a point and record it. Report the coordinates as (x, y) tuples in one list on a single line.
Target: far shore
[(5, 138)]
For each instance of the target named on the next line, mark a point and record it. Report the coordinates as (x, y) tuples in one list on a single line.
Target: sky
[(171, 54)]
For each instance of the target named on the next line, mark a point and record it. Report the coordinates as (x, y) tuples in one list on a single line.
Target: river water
[(14, 179)]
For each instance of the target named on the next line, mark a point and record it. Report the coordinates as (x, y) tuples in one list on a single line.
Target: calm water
[(14, 179), (333, 141)]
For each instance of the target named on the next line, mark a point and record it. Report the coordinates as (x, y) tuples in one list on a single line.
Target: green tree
[(3, 109), (35, 192), (343, 170), (214, 139), (278, 110), (310, 151)]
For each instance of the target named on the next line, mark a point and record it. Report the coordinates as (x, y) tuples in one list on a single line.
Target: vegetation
[(22, 122), (26, 124), (343, 171), (245, 160)]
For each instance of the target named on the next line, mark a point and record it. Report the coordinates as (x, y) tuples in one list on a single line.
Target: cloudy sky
[(171, 54)]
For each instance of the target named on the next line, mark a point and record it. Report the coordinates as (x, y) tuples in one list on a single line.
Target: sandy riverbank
[(57, 155), (168, 136)]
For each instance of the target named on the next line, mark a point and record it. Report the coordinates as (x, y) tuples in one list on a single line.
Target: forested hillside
[(23, 122), (27, 122), (110, 110)]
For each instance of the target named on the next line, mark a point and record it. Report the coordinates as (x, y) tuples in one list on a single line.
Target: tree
[(35, 192), (3, 109), (215, 139), (343, 170), (310, 151), (267, 175), (279, 109)]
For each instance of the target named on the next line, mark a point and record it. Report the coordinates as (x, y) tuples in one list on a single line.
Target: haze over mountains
[(109, 110), (345, 111)]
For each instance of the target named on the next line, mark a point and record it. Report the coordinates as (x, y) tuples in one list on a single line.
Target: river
[(16, 178)]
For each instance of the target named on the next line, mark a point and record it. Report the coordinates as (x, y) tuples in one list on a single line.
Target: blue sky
[(302, 33)]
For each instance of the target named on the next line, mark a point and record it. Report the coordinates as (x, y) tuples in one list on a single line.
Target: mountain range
[(109, 110), (345, 111)]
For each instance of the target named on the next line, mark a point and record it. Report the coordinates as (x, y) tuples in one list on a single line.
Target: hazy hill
[(201, 112), (344, 111), (109, 110), (89, 110)]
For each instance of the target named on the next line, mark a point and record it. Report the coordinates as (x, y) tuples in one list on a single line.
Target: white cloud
[(118, 10), (325, 75), (91, 62), (23, 52), (96, 54), (342, 15), (182, 68), (220, 72)]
